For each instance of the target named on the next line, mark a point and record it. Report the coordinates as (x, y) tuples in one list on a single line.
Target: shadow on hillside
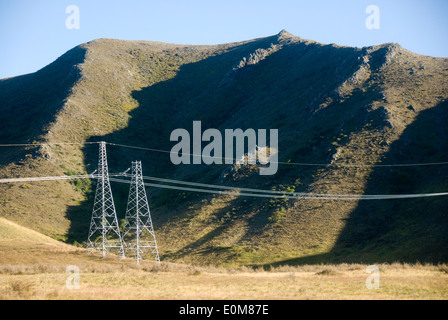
[(30, 102), (402, 230), (195, 94), (150, 126), (272, 96), (195, 246)]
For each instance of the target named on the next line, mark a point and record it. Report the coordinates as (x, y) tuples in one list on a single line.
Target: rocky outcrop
[(245, 63)]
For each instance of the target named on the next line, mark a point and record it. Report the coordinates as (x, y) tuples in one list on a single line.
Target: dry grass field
[(37, 271), (33, 266), (166, 281)]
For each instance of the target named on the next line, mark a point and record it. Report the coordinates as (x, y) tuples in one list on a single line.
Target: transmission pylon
[(104, 234), (138, 231)]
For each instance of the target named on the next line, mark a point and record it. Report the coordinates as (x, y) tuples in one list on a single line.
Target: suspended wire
[(30, 179), (139, 148), (287, 195), (231, 190), (233, 159), (44, 143), (164, 186), (293, 163), (210, 188), (294, 194)]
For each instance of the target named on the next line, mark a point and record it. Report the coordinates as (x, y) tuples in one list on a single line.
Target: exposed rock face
[(254, 58)]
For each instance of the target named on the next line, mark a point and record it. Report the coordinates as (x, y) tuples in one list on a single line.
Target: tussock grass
[(327, 272), (170, 281), (41, 275)]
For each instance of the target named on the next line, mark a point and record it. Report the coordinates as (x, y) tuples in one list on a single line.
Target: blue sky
[(33, 33)]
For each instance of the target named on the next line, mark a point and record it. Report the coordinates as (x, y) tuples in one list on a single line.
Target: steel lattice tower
[(104, 234), (138, 231)]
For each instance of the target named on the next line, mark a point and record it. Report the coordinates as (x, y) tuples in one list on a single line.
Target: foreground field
[(33, 266), (110, 280)]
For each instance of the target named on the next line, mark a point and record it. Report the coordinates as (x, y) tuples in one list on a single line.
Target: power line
[(233, 159), (233, 190), (294, 163), (288, 195), (30, 179), (44, 143), (140, 148), (294, 194), (230, 188), (164, 186)]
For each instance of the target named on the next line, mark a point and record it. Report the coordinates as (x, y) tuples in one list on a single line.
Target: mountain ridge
[(332, 104)]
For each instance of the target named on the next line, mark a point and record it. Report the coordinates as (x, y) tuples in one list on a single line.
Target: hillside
[(333, 105), (11, 231), (23, 246)]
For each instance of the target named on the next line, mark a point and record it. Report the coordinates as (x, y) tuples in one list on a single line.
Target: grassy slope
[(12, 231), (329, 103), (30, 104)]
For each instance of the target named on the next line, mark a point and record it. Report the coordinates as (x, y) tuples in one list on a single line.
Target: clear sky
[(33, 33)]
